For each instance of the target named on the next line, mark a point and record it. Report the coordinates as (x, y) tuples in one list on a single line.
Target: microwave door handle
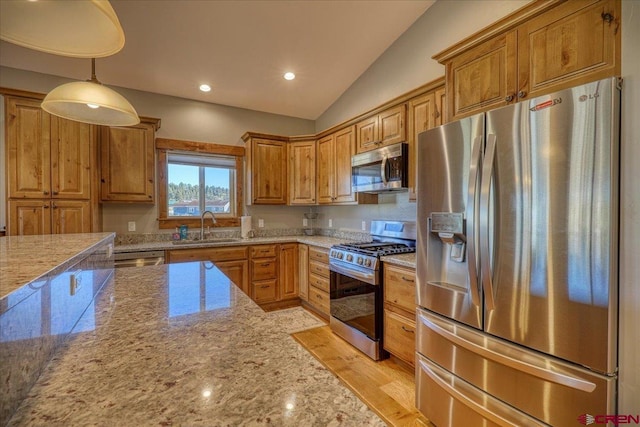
[(472, 258), (485, 188), (383, 170)]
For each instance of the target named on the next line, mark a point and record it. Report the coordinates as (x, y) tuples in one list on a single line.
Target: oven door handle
[(367, 276)]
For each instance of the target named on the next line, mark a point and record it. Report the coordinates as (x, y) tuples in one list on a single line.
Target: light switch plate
[(132, 226), (330, 222), (261, 223), (364, 225), (305, 222)]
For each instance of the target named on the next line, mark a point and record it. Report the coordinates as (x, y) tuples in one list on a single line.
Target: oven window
[(354, 303)]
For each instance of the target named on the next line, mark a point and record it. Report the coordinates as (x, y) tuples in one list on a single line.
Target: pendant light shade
[(90, 102), (77, 28)]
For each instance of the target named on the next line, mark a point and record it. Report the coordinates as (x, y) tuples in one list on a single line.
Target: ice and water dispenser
[(449, 227)]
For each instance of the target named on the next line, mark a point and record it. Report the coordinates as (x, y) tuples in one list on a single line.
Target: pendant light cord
[(94, 79)]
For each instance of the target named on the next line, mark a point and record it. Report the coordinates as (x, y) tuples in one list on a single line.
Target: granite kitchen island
[(179, 344)]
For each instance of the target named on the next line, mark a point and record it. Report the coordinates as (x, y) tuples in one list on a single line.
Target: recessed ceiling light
[(289, 76), (205, 88)]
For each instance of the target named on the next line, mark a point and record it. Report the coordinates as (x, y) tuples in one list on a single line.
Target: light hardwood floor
[(386, 387)]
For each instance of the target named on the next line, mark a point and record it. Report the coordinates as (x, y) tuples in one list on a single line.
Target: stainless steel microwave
[(381, 170)]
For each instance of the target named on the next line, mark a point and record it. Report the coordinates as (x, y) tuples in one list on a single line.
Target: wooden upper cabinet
[(571, 44), (344, 149), (550, 46), (47, 156), (385, 128), (334, 167), (422, 116), (483, 77), (128, 163), (302, 172), (326, 169), (28, 149), (266, 171), (71, 158)]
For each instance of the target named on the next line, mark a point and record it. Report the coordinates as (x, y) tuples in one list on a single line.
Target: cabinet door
[(400, 336), (367, 134), (128, 166), (265, 291), (571, 44), (71, 216), (264, 268), (288, 277), (29, 217), (237, 271), (421, 117), (440, 112), (391, 125), (302, 173), (71, 144), (483, 77), (326, 169), (28, 149), (344, 149), (269, 172), (303, 272)]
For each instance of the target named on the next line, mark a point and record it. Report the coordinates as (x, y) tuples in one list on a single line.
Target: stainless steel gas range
[(356, 286)]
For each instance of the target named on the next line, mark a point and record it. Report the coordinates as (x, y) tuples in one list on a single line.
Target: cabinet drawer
[(319, 268), (320, 282), (265, 291), (319, 254), (264, 251), (319, 299), (400, 287), (263, 268), (400, 336)]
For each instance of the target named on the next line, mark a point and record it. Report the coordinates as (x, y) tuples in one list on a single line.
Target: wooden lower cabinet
[(33, 216), (399, 312), (267, 273), (319, 280)]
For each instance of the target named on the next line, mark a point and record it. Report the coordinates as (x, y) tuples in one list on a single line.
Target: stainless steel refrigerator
[(517, 262)]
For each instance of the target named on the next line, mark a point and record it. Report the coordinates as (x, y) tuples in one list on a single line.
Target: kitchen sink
[(205, 241)]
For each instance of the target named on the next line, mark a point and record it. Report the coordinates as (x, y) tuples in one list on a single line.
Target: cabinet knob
[(522, 94), (55, 193), (46, 206), (509, 98), (55, 206), (607, 17), (46, 193)]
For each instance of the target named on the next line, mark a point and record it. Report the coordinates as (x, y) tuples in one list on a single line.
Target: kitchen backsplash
[(138, 238)]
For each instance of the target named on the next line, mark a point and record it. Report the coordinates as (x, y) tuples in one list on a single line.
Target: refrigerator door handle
[(470, 397), (485, 189), (472, 261), (503, 359)]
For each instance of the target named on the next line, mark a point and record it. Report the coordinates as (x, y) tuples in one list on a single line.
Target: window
[(195, 177)]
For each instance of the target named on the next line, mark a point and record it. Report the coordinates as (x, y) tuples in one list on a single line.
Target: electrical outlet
[(330, 222), (305, 222), (261, 223), (132, 226), (364, 225)]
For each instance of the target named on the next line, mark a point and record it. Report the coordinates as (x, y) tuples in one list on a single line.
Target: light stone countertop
[(403, 260), (322, 241), (185, 346), (25, 259)]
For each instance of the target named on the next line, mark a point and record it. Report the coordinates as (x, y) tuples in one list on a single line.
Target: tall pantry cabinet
[(50, 166)]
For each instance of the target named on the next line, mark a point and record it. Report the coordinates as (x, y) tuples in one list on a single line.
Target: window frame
[(163, 146)]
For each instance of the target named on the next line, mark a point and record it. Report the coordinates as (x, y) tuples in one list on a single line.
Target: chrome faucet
[(213, 218)]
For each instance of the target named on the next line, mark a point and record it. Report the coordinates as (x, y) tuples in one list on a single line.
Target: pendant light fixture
[(90, 102), (77, 28)]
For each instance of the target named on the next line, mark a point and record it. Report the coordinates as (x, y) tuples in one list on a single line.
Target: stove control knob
[(360, 260), (332, 253), (367, 262), (340, 255), (349, 257)]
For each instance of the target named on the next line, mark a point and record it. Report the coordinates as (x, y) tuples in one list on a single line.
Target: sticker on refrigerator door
[(546, 104)]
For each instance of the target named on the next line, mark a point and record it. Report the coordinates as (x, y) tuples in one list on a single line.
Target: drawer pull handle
[(407, 280), (265, 264), (407, 330), (264, 286)]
